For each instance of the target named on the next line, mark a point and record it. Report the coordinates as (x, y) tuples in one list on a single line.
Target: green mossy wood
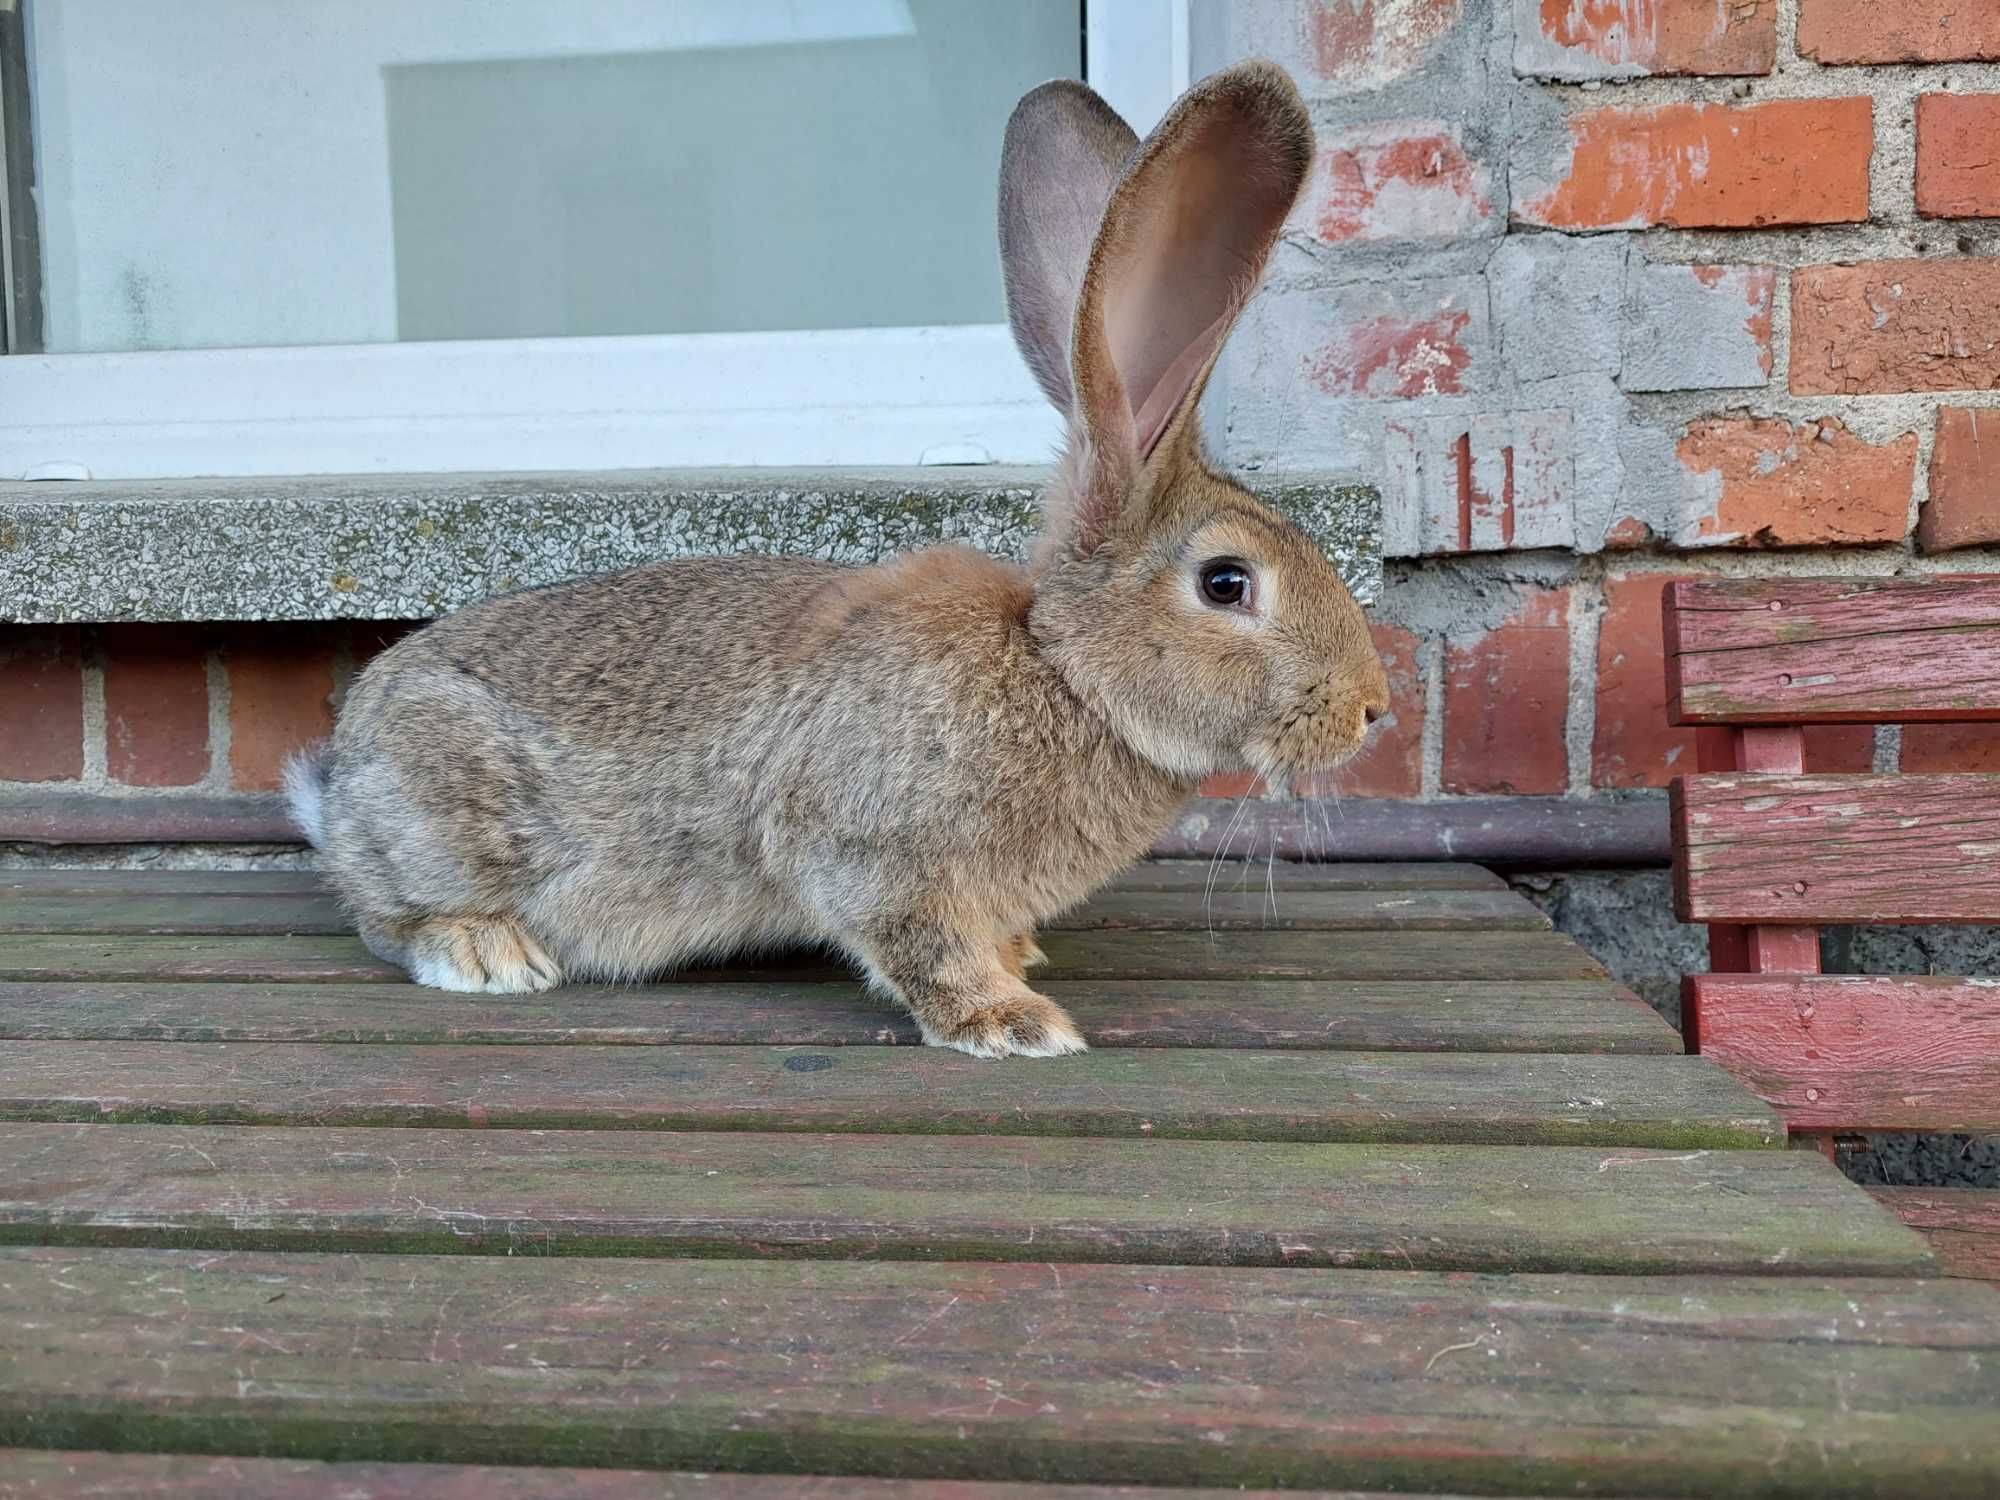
[(1225, 1094), (1383, 1015), (511, 1192), (1706, 1386)]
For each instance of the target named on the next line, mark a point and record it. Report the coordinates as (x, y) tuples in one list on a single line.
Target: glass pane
[(254, 172)]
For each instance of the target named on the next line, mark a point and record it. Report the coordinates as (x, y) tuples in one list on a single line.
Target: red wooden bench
[(1764, 854)]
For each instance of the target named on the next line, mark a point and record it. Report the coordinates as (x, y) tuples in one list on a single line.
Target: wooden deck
[(1369, 1181)]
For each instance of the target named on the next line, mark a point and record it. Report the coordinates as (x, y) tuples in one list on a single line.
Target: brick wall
[(1600, 292), (1603, 292), (170, 710)]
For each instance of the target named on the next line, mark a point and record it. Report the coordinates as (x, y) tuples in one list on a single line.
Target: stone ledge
[(414, 546)]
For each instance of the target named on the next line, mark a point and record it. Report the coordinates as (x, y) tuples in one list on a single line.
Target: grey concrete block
[(1556, 302), (1697, 328)]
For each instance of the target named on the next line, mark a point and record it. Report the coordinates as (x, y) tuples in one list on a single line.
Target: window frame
[(888, 397)]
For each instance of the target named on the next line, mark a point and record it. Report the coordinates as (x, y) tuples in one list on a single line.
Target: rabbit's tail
[(305, 793)]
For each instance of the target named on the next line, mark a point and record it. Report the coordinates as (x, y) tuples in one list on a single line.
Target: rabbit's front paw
[(1023, 1026)]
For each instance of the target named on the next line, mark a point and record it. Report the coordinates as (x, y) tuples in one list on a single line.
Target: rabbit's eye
[(1225, 582)]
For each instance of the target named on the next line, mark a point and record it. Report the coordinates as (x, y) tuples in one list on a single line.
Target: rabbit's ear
[(1185, 237), (1060, 161)]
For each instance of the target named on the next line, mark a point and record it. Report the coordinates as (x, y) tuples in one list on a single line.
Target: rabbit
[(915, 762)]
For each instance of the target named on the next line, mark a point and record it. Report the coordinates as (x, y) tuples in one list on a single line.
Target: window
[(276, 237)]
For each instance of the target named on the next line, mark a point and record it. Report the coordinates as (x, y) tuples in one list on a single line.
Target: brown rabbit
[(914, 762)]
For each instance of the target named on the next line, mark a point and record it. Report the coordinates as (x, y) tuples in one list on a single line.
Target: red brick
[(1830, 749), (1634, 744), (1951, 747), (1611, 38), (1232, 784), (1372, 41), (1407, 181), (1895, 31), (1887, 326), (1958, 156), (1627, 533), (1395, 357), (1814, 484), (1393, 763), (41, 688), (280, 698), (155, 704), (1840, 749), (1506, 703), (1964, 507), (1789, 161)]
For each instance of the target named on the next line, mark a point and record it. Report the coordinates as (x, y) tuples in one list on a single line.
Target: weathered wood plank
[(1305, 875), (1806, 650), (1494, 1098), (1548, 1015), (569, 1192), (1072, 955), (1807, 849), (1153, 875), (1166, 1375), (1962, 1225), (292, 960), (1837, 1052), (60, 1474), (1131, 911), (43, 884), (1255, 909)]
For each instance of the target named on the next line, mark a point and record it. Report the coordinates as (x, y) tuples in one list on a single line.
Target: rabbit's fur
[(914, 762)]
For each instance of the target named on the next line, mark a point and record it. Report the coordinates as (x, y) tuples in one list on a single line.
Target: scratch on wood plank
[(1639, 1161), (906, 1337), (1476, 1343)]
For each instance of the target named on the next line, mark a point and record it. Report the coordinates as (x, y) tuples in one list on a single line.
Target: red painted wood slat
[(1848, 1053), (1805, 849), (1821, 650), (1764, 948)]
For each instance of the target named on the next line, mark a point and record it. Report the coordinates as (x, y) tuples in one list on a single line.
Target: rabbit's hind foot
[(477, 955)]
